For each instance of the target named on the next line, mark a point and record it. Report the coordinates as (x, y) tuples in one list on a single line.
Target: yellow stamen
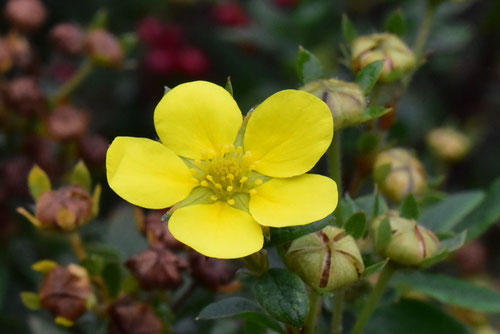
[(258, 182), (230, 201), (213, 198)]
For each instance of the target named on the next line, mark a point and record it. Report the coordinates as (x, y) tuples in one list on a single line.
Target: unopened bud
[(25, 14), (410, 242), (93, 148), (448, 144), (133, 317), (210, 272), (345, 99), (68, 38), (65, 292), (326, 260), (5, 56), (67, 123), (104, 48), (23, 95), (157, 268), (398, 58), (20, 48), (405, 174), (65, 209), (157, 231)]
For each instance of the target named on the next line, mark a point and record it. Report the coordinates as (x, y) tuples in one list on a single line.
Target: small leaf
[(367, 142), (283, 295), (368, 76), (446, 247), (309, 67), (409, 208), (373, 205), (61, 321), (374, 112), (384, 234), (381, 172), (31, 300), (81, 176), (96, 199), (112, 277), (396, 23), (356, 225), (44, 266), (348, 30), (38, 182), (374, 268), (229, 86), (99, 20), (128, 42), (279, 236), (93, 264)]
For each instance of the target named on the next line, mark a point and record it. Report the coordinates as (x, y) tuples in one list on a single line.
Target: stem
[(423, 31), (373, 299), (76, 243), (337, 312), (335, 161), (70, 85), (314, 311)]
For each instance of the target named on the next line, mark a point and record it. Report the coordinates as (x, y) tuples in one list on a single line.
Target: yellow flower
[(228, 177)]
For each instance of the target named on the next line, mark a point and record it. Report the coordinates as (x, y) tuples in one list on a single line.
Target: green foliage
[(356, 225), (381, 172), (348, 29), (374, 268), (229, 86), (279, 236), (373, 205), (368, 76), (367, 142), (409, 208), (396, 23), (38, 182), (384, 234), (81, 176), (374, 112), (31, 300), (309, 67)]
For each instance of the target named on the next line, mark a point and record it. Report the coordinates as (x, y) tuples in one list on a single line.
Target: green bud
[(448, 144), (325, 260), (402, 173), (398, 58), (410, 243), (345, 99)]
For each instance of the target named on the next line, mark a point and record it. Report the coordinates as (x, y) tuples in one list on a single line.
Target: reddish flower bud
[(192, 61), (65, 292), (65, 209), (158, 35), (157, 268), (67, 122), (68, 38), (21, 50), (133, 317), (157, 231), (93, 148), (25, 14), (24, 96), (104, 48), (209, 272), (230, 14), (160, 61), (6, 57)]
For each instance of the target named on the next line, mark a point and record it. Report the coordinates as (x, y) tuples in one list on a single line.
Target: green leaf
[(31, 300), (347, 206), (449, 212), (373, 205), (279, 236), (238, 307), (374, 268), (229, 86), (356, 225), (381, 172), (348, 29), (309, 67), (38, 182), (99, 20), (81, 176), (384, 234), (367, 142), (451, 290), (368, 76), (446, 247), (409, 208), (112, 276), (396, 23), (413, 317), (283, 295), (485, 215), (128, 42), (96, 200), (373, 112)]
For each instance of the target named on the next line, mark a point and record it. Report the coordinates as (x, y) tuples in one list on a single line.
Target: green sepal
[(81, 176), (396, 23), (309, 67), (31, 300), (368, 76), (229, 86), (38, 182)]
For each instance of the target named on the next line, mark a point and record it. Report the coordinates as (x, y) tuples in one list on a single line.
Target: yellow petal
[(288, 133), (146, 173), (217, 230), (195, 117), (294, 201)]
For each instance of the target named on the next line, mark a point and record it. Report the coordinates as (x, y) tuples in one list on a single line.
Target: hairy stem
[(70, 85)]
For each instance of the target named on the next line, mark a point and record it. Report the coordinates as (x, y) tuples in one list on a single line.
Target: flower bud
[(24, 96), (26, 15), (157, 231), (5, 56), (133, 317), (67, 123), (93, 148), (157, 268), (326, 260), (68, 38), (65, 292), (345, 99), (210, 272), (104, 48), (406, 174), (397, 57), (448, 144), (20, 48), (192, 61), (410, 243), (230, 14), (65, 209)]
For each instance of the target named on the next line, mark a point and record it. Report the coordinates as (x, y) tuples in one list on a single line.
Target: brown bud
[(25, 14), (104, 48), (471, 258), (157, 231), (67, 122), (68, 38), (23, 95), (157, 268), (448, 144), (65, 291), (93, 148), (5, 56), (65, 209), (210, 272), (20, 48), (133, 317)]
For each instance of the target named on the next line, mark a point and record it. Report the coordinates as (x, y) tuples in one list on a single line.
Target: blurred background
[(152, 44)]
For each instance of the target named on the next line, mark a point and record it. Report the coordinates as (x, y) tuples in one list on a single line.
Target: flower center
[(227, 173)]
